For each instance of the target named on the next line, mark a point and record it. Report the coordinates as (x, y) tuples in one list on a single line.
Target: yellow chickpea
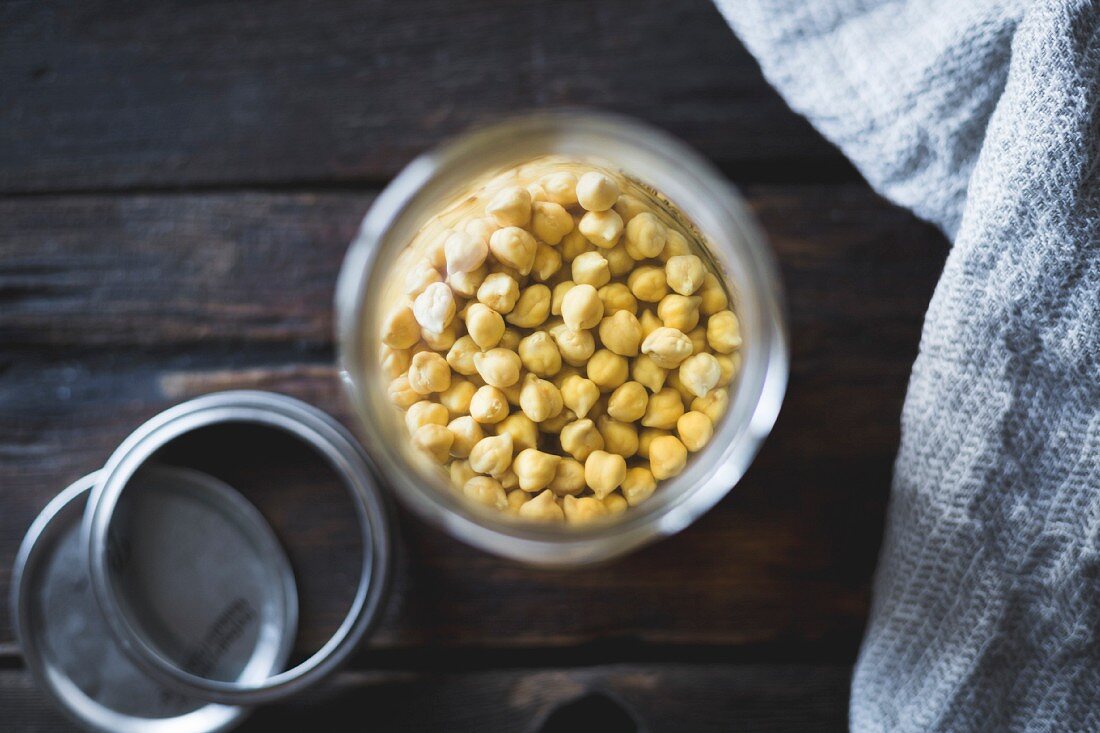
[(714, 405), (542, 508), (516, 499), (619, 261), (581, 308), (574, 244), (646, 372), (629, 206), (425, 412), (547, 262), (677, 384), (685, 273), (679, 311), (628, 403), (663, 410), (580, 438), (621, 333), (730, 366), (557, 296), (597, 191), (667, 347), (492, 455), (617, 297), (509, 480), (713, 295), (535, 469), (481, 227), (540, 354), (607, 369), (532, 308), (511, 207), (579, 394), (400, 329), (484, 325), (576, 347), (498, 367), (646, 236), (650, 322), (514, 247), (646, 437), (602, 228), (499, 291), (510, 340), (441, 341), (620, 438), (550, 222), (648, 283), (560, 187), (488, 405), (434, 440), (401, 394), (676, 246), (698, 336), (395, 361), (429, 372), (539, 399), (420, 276), (524, 431), (559, 421), (460, 473), (604, 472), (638, 485), (585, 510), (591, 268), (695, 430), (724, 332), (460, 357), (486, 491), (667, 457), (700, 374), (615, 503), (467, 433), (457, 397), (568, 478)]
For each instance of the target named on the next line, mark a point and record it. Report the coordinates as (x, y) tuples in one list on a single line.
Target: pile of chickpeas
[(561, 347)]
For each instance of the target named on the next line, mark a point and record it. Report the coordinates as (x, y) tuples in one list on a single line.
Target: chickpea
[(509, 480), (713, 295), (532, 308), (420, 276), (729, 365), (429, 373), (540, 354), (524, 430), (628, 403), (425, 412), (638, 485), (645, 371), (620, 438), (679, 311), (467, 433), (650, 322), (395, 361), (512, 393), (582, 308), (568, 478), (436, 253), (435, 440), (492, 455), (615, 503), (619, 262), (607, 369), (485, 325), (538, 193), (460, 472), (488, 405), (486, 491), (698, 336), (695, 430), (602, 228), (620, 332), (580, 438), (596, 191), (457, 397), (464, 252), (663, 410), (667, 347), (540, 400), (646, 236), (516, 499), (561, 188), (646, 437), (543, 508), (617, 297), (576, 347), (590, 268), (461, 355), (667, 457), (498, 367), (511, 207), (724, 332), (604, 472), (401, 394), (584, 510), (559, 421), (676, 246), (514, 247), (713, 405), (499, 291), (700, 374), (550, 222), (574, 244), (535, 469), (677, 384), (629, 206), (547, 262), (481, 227), (510, 340), (648, 283), (440, 341), (557, 297), (401, 330), (434, 308), (685, 274), (579, 394)]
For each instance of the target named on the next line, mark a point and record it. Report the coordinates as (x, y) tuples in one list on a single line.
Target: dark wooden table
[(178, 183)]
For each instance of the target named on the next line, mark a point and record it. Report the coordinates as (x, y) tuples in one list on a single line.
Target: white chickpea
[(620, 438), (700, 374), (511, 207), (604, 472), (543, 508), (514, 247), (628, 402), (484, 324), (617, 297), (401, 394), (539, 399), (648, 283), (401, 329), (429, 372), (535, 469), (574, 244), (667, 347), (420, 276), (685, 274), (581, 309), (638, 485), (461, 355), (547, 262), (585, 510), (607, 369), (580, 438), (434, 440), (499, 291), (629, 206), (492, 455), (486, 491), (646, 372), (663, 410), (488, 405), (713, 405), (550, 222), (561, 188), (395, 361), (576, 347), (713, 295), (590, 268), (467, 433), (464, 252), (532, 308), (667, 457), (457, 397), (596, 191), (434, 308), (498, 367), (579, 394), (466, 284), (425, 412), (620, 332), (568, 478), (602, 228), (695, 430), (646, 236), (724, 332), (524, 430), (540, 354), (619, 262)]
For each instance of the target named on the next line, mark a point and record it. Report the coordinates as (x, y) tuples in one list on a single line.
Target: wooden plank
[(98, 95), (785, 560), (771, 698)]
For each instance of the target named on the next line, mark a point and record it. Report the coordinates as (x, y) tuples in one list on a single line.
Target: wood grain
[(103, 95), (117, 307)]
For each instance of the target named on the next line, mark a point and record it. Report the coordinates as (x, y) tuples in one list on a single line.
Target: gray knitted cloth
[(981, 116)]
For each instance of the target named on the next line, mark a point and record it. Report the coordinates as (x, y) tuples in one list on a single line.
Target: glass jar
[(671, 173)]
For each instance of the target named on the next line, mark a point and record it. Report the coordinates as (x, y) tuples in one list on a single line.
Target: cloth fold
[(982, 117)]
